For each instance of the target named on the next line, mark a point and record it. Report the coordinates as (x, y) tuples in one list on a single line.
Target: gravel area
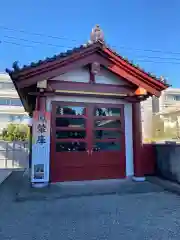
[(139, 216)]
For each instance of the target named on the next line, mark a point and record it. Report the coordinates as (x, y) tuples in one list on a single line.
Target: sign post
[(40, 149)]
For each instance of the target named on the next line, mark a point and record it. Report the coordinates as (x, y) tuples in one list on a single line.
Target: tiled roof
[(62, 55), (137, 66)]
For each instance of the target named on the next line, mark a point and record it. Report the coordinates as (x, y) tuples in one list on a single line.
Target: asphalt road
[(153, 215)]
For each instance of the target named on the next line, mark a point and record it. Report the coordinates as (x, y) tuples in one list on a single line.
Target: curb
[(165, 184)]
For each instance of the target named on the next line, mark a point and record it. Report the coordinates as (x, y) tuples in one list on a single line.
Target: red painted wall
[(148, 159)]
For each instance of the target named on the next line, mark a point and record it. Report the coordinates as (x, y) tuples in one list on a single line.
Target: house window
[(177, 98), (25, 117), (18, 118), (7, 85), (10, 102), (15, 118), (15, 102), (170, 97), (5, 117), (3, 101), (173, 97)]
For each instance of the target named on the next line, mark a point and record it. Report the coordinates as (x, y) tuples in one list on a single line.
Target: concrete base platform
[(138, 179), (85, 188)]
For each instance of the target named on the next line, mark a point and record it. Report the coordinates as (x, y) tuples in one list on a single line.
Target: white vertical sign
[(40, 147)]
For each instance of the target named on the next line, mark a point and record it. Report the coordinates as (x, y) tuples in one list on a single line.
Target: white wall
[(106, 77), (128, 122), (77, 75), (82, 75)]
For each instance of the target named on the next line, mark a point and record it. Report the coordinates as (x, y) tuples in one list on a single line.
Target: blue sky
[(130, 26)]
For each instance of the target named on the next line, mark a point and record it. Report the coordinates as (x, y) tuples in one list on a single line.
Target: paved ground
[(137, 216)]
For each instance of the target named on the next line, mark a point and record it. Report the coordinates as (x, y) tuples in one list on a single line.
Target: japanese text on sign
[(41, 129)]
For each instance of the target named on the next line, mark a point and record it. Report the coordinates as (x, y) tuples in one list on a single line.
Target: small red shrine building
[(92, 96)]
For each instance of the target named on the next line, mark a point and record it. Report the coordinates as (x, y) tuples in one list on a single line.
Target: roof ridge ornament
[(96, 34), (162, 79)]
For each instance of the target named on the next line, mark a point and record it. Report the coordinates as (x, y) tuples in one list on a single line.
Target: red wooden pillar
[(37, 103), (40, 103), (30, 147), (137, 142)]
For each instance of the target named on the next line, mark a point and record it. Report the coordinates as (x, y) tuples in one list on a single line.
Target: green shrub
[(15, 132)]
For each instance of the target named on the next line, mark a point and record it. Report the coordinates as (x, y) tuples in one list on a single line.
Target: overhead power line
[(37, 34), (17, 44), (73, 40), (150, 50), (137, 60), (62, 46), (37, 42), (158, 57), (147, 60)]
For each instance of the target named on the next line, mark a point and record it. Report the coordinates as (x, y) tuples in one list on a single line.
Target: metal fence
[(14, 155)]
